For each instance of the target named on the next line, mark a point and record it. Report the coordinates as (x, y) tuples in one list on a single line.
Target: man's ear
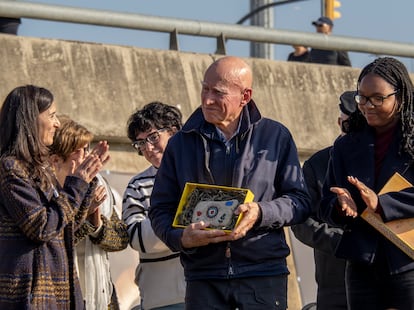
[(246, 96)]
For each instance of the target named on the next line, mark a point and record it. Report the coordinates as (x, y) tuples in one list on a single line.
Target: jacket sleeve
[(82, 211), (38, 218), (329, 209), (135, 208), (397, 205), (313, 232), (290, 203), (164, 202), (318, 235), (113, 234)]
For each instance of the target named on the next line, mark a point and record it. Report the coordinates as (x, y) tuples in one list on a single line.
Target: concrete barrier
[(101, 85)]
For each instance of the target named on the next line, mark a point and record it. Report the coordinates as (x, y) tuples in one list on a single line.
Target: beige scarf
[(98, 286)]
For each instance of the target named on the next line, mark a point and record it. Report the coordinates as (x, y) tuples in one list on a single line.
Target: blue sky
[(373, 19)]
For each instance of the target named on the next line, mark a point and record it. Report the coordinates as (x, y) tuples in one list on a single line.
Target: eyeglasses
[(153, 138), (376, 101)]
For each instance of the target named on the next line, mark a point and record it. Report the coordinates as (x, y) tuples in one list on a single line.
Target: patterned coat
[(36, 240)]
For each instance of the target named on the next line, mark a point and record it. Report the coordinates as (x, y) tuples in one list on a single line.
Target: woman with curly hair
[(378, 144), (159, 275)]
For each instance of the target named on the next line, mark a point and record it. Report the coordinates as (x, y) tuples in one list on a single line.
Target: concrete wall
[(101, 85)]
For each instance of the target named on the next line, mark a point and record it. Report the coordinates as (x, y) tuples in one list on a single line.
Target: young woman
[(378, 144), (159, 275), (36, 213), (102, 231)]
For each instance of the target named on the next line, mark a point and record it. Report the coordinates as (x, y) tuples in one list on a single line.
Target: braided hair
[(395, 73)]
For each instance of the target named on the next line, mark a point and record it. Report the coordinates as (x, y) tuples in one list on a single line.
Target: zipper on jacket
[(230, 271)]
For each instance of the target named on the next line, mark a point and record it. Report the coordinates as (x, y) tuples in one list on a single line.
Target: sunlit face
[(153, 152), (221, 101), (384, 116), (48, 123), (63, 168)]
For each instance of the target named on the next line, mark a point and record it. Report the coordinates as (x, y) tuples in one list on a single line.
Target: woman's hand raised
[(102, 151), (88, 169), (92, 163)]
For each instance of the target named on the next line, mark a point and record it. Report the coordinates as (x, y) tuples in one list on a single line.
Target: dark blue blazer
[(353, 155)]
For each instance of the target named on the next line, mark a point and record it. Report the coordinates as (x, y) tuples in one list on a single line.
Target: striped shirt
[(160, 275)]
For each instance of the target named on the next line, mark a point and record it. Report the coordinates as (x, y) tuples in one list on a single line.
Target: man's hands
[(196, 235), (368, 195), (250, 213)]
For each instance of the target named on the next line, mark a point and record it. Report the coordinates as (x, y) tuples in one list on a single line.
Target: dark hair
[(395, 73), (19, 131), (154, 114)]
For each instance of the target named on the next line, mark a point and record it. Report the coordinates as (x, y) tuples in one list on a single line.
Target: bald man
[(227, 142)]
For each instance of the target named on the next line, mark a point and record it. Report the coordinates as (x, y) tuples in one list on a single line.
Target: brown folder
[(400, 232)]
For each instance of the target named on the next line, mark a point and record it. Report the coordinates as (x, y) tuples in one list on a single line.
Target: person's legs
[(260, 293), (362, 287), (400, 291), (371, 287), (207, 295)]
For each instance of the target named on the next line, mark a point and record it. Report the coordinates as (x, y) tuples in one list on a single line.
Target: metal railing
[(221, 31)]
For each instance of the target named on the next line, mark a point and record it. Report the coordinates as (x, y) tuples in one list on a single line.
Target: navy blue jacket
[(353, 155), (261, 157), (329, 270)]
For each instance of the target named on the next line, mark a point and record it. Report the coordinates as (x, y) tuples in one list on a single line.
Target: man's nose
[(208, 98)]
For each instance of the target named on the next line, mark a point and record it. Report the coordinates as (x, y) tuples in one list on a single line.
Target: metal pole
[(199, 28), (264, 18)]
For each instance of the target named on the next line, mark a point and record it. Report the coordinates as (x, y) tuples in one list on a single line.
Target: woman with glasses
[(379, 143), (36, 212), (159, 274), (100, 231)]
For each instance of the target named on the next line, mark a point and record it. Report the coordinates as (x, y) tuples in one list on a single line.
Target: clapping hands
[(347, 203), (92, 163)]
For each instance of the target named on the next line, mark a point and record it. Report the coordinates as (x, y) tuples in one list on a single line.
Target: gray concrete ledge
[(101, 85)]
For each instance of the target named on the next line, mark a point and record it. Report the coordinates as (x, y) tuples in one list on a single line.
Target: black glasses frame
[(376, 100), (152, 138)]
